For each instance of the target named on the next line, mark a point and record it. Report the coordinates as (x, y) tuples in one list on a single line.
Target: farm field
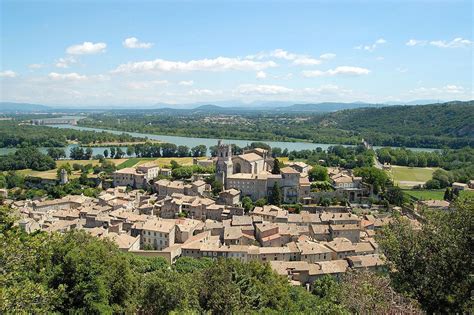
[(406, 176), (437, 194), (161, 162)]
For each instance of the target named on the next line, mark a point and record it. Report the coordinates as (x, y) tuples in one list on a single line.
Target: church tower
[(224, 162)]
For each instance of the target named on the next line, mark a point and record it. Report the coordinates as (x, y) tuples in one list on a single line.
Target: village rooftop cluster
[(148, 216)]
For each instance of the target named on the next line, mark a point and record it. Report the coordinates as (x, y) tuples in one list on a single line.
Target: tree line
[(16, 135)]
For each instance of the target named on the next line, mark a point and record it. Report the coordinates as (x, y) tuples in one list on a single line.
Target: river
[(192, 141)]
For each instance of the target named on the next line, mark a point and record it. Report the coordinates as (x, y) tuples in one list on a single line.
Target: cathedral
[(250, 173)]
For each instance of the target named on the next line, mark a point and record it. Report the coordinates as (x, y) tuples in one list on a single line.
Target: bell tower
[(224, 162)]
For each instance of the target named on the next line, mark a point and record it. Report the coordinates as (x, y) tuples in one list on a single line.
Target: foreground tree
[(365, 292), (434, 265)]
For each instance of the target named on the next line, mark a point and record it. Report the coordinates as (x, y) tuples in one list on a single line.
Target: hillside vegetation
[(429, 126), (449, 124)]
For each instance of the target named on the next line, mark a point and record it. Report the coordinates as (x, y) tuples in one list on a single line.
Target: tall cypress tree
[(276, 167), (276, 197)]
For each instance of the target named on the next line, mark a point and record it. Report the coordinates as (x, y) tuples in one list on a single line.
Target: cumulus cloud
[(283, 54), (341, 70), (373, 46), (261, 75), (216, 64), (73, 76), (7, 74), (186, 83), (296, 59), (86, 48), (458, 42), (327, 56), (416, 42), (263, 89), (65, 62), (133, 42)]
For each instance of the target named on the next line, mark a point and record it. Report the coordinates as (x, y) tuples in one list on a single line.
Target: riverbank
[(120, 144), (208, 142)]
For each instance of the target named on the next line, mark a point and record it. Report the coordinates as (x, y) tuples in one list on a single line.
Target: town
[(183, 218), (236, 157)]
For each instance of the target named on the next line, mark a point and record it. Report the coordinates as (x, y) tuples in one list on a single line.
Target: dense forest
[(75, 272), (431, 126), (13, 134), (435, 126)]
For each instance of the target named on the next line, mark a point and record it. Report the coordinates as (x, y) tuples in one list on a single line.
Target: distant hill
[(9, 107), (420, 124)]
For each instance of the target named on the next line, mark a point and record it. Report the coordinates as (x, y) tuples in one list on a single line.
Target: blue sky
[(147, 52)]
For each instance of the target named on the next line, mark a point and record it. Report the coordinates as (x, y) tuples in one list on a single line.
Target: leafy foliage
[(13, 134), (434, 265), (27, 158)]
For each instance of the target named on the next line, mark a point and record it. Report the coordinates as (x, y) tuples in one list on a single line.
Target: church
[(250, 173)]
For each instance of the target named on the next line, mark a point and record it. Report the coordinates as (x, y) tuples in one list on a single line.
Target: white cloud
[(216, 64), (186, 83), (65, 62), (327, 56), (86, 48), (204, 92), (251, 89), (299, 60), (133, 42), (373, 46), (341, 70), (73, 76), (7, 74), (283, 54), (261, 75), (458, 42), (416, 42)]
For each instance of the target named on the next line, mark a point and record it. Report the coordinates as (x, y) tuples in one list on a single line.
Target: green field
[(407, 177), (426, 194), (161, 162), (415, 174)]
